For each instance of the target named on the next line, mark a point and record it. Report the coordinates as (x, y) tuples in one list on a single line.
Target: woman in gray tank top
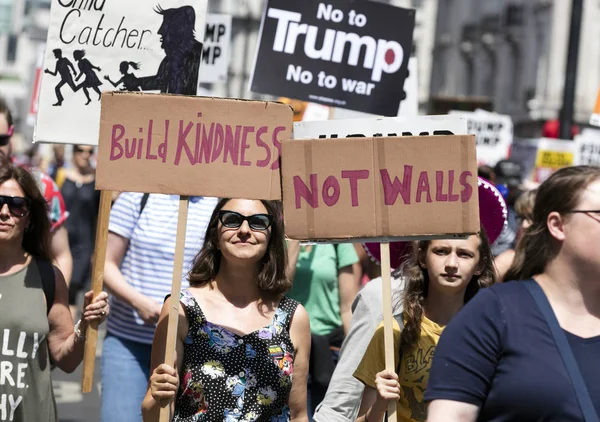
[(36, 325)]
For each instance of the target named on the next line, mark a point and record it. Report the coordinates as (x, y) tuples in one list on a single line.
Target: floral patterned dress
[(232, 378)]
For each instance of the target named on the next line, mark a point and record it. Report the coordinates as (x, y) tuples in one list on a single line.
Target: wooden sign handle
[(165, 410), (91, 334), (388, 319)]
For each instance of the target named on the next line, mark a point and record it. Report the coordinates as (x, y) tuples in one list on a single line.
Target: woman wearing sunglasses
[(239, 339), (33, 337), (528, 350)]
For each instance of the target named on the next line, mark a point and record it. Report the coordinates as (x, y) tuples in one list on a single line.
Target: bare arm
[(59, 247), (300, 335), (451, 411), (164, 381), (66, 349), (375, 401), (147, 308), (348, 287)]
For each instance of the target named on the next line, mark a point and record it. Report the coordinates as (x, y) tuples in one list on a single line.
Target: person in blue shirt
[(497, 359)]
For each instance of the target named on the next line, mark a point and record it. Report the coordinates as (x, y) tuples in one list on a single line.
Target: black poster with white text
[(349, 54)]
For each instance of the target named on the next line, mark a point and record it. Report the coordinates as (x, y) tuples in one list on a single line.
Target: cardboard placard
[(381, 126), (494, 134), (105, 45), (336, 53), (182, 145), (595, 117), (215, 52), (552, 154), (342, 189)]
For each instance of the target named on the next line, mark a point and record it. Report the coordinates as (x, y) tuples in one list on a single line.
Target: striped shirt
[(148, 261)]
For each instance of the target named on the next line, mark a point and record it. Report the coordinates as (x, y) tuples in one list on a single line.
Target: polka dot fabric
[(232, 378)]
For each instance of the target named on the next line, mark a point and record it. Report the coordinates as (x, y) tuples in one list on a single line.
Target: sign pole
[(91, 334), (165, 410), (388, 317)]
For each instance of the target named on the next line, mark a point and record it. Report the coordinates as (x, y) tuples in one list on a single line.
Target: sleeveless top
[(232, 378), (25, 385)]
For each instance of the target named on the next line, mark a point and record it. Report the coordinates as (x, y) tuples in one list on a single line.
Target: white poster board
[(381, 126), (216, 49), (587, 148), (108, 45), (494, 134)]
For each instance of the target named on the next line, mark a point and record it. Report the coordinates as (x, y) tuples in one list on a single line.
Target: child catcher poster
[(108, 45)]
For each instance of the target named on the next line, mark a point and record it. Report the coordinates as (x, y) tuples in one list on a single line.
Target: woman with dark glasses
[(37, 327), (242, 347)]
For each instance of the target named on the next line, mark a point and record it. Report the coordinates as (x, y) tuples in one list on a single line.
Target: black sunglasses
[(4, 139), (17, 205), (233, 220)]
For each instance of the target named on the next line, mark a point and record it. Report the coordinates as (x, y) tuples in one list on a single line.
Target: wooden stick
[(165, 410), (388, 318), (91, 334)]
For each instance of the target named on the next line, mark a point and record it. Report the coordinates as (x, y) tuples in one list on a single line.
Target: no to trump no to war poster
[(107, 45), (349, 54)]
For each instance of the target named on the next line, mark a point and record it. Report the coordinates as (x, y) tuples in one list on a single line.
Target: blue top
[(498, 353)]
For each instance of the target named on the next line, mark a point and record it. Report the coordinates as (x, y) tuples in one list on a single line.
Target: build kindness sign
[(337, 53), (191, 145)]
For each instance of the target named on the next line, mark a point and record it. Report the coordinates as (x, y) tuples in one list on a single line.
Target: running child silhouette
[(129, 80), (91, 79)]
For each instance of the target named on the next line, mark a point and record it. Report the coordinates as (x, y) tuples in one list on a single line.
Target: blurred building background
[(508, 56)]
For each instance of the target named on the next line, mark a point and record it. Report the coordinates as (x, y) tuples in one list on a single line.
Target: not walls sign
[(349, 54)]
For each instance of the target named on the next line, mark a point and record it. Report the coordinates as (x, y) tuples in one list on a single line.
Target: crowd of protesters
[(274, 330)]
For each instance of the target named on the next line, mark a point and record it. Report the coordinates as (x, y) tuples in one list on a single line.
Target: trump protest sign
[(191, 145), (494, 134), (552, 154), (104, 45), (587, 148), (340, 189), (350, 54), (215, 51)]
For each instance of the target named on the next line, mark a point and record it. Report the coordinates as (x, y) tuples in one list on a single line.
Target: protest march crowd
[(495, 298), (271, 329)]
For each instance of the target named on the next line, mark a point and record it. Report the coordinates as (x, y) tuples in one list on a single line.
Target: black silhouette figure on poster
[(178, 71), (129, 80), (91, 79), (64, 67)]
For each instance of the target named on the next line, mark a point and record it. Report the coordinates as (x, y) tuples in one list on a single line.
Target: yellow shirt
[(414, 368)]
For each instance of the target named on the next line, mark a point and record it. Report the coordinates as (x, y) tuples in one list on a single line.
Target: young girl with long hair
[(439, 276)]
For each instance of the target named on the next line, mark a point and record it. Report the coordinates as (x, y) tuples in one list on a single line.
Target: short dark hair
[(272, 278), (36, 240)]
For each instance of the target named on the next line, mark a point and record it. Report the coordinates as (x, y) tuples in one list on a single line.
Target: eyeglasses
[(233, 220), (17, 205), (595, 214), (81, 150), (5, 137)]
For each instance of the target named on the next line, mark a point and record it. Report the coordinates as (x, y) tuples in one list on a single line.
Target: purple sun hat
[(493, 215)]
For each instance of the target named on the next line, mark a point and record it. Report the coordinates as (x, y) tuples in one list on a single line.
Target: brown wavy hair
[(272, 277), (416, 282), (36, 239), (560, 193)]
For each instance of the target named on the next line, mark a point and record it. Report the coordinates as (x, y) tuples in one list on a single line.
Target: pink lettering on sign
[(440, 196), (245, 146), (310, 195), (392, 189), (260, 143), (467, 190), (232, 144), (277, 144), (423, 187), (452, 197), (122, 147), (331, 191), (354, 176)]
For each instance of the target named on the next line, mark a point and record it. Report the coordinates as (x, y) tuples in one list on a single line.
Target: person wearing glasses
[(524, 217), (57, 212), (142, 233), (242, 346), (37, 329), (528, 350), (82, 201)]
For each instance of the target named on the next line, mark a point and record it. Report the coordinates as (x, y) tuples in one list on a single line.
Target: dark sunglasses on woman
[(233, 220), (4, 138), (17, 205)]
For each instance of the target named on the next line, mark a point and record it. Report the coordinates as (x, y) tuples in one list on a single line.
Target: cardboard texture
[(387, 187), (159, 143)]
